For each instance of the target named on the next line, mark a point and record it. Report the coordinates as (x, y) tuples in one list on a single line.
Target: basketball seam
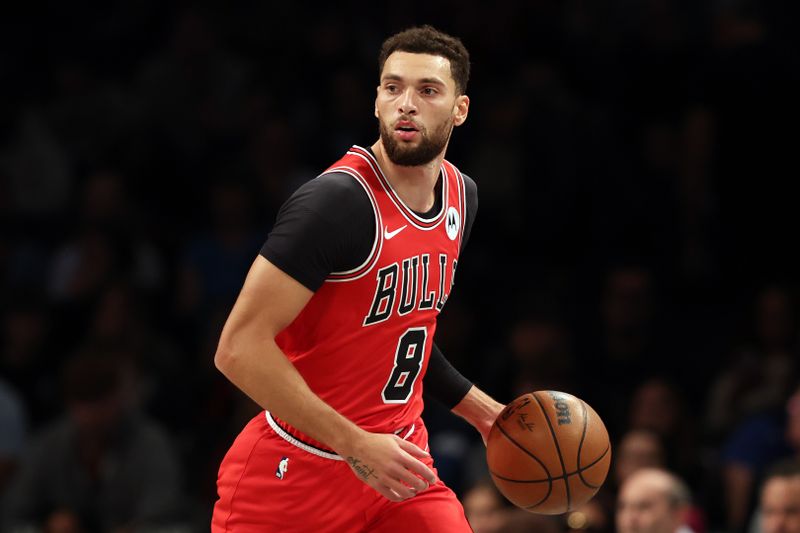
[(580, 473), (558, 449), (518, 445), (580, 447), (565, 476)]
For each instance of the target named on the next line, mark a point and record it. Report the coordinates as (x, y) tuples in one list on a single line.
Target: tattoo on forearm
[(364, 471)]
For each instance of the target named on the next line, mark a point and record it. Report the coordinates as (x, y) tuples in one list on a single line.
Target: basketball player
[(333, 330)]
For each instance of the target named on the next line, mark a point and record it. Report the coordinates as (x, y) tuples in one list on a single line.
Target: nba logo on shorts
[(283, 466)]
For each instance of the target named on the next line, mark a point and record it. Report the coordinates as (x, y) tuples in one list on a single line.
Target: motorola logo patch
[(452, 223)]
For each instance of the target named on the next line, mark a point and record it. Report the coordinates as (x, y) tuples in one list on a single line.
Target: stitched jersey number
[(407, 364)]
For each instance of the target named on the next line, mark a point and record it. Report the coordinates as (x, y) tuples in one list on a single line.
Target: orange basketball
[(548, 452)]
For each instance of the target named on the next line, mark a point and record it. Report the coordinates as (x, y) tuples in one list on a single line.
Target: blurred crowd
[(632, 247)]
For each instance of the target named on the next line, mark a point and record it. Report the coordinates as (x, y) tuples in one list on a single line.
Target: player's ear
[(461, 109), (377, 92)]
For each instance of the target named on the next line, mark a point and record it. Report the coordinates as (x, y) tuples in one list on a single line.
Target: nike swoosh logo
[(389, 234)]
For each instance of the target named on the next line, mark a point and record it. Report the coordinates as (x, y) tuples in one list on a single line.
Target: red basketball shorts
[(267, 483)]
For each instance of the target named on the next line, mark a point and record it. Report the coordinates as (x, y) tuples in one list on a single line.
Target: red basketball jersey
[(363, 340)]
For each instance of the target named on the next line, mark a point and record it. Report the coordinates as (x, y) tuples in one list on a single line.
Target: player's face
[(643, 509), (417, 107), (780, 506)]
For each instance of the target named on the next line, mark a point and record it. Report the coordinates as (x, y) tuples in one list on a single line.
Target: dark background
[(635, 161)]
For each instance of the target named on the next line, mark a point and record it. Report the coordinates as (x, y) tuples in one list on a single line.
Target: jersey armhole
[(377, 243)]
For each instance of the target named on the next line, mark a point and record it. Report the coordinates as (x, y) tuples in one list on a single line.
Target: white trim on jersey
[(395, 198), (408, 433), (377, 243), (462, 200)]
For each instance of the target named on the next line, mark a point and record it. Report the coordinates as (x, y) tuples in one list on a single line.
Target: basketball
[(548, 452)]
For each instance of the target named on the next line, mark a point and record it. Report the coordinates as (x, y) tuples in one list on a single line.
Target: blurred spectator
[(517, 520), (698, 204), (763, 368), (640, 449), (484, 507), (622, 346), (13, 433), (63, 521), (82, 266), (489, 512), (537, 356), (627, 312), (91, 116), (107, 241), (215, 260), (460, 455), (27, 359), (121, 317), (40, 178), (271, 160), (653, 501), (659, 405), (756, 443), (218, 410), (594, 516), (779, 508), (637, 449), (501, 155), (107, 201), (102, 466), (193, 89)]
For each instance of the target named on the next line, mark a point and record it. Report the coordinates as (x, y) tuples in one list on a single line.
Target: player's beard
[(429, 147)]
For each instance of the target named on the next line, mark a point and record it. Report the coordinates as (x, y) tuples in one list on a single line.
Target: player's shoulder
[(469, 184), (333, 182), (332, 189), (470, 191)]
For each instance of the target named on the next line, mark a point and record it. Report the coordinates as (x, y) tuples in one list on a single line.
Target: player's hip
[(269, 481)]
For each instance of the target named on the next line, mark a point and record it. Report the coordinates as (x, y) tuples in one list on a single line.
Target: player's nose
[(408, 104)]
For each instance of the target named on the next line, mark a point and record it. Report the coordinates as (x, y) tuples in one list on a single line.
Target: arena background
[(635, 243)]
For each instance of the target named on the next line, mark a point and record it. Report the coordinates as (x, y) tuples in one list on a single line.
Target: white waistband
[(316, 451), (302, 445)]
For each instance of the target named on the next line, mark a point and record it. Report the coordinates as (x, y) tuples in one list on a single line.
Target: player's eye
[(391, 88), (429, 91)]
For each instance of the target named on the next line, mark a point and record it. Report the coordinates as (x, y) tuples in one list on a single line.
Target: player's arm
[(248, 355), (448, 386), (479, 409)]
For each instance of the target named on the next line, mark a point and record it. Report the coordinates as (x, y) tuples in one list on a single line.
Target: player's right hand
[(390, 465)]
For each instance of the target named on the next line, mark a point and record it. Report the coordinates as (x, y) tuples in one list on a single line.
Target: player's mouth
[(406, 130)]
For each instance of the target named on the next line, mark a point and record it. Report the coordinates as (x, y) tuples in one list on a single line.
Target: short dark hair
[(428, 40), (783, 468)]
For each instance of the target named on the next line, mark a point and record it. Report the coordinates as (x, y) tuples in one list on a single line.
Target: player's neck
[(414, 185)]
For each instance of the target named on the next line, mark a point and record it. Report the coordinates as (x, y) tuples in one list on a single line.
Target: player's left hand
[(390, 465)]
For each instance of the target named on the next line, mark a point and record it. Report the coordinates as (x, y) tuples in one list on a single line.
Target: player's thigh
[(436, 510)]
